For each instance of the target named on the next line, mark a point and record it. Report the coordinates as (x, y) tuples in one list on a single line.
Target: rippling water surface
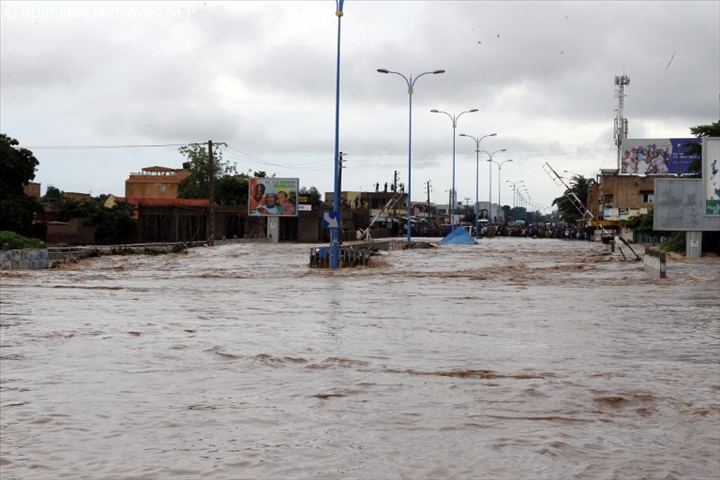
[(511, 359)]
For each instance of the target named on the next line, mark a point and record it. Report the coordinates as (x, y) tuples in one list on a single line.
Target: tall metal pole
[(335, 244), (499, 205), (410, 84), (490, 161), (515, 187), (454, 119), (477, 190), (408, 204), (211, 193), (621, 123), (477, 141), (490, 189), (499, 176)]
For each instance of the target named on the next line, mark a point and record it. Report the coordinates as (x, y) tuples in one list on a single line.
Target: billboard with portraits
[(661, 156), (269, 197)]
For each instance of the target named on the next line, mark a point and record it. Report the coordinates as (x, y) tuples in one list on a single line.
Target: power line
[(95, 147)]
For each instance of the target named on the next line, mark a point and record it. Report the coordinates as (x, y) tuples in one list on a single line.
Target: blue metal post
[(410, 84), (454, 119), (477, 189), (408, 205), (335, 246)]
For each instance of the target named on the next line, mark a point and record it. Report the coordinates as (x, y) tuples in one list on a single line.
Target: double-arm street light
[(499, 176), (490, 160), (477, 178), (410, 84), (454, 119)]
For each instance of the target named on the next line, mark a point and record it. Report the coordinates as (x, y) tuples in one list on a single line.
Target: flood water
[(512, 359)]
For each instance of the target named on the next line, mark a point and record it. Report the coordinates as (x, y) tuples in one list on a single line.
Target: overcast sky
[(260, 76)]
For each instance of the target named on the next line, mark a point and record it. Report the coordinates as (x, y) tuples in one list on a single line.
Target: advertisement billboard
[(270, 197), (656, 156), (711, 175)]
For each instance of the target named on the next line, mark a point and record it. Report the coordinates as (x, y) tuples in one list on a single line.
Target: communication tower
[(621, 123)]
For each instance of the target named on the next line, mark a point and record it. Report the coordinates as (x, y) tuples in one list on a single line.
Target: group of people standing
[(646, 160), (393, 187)]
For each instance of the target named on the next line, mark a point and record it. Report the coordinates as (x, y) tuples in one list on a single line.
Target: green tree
[(505, 212), (112, 225), (232, 190), (197, 184), (579, 185), (18, 167), (52, 197), (115, 224), (642, 223), (315, 197), (700, 131)]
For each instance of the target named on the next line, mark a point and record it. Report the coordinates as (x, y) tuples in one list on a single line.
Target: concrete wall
[(25, 259)]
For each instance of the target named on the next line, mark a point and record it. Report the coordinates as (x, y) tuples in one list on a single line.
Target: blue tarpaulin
[(459, 236)]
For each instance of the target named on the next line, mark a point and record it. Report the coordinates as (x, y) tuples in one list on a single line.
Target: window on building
[(162, 188), (647, 197)]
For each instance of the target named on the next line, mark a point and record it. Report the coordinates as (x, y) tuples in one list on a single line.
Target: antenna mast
[(621, 123)]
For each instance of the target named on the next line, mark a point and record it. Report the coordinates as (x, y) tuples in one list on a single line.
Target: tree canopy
[(580, 186), (18, 167), (695, 149), (230, 188), (112, 225)]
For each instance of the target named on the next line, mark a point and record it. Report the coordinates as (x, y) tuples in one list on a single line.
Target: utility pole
[(428, 192), (341, 166), (394, 189), (211, 191)]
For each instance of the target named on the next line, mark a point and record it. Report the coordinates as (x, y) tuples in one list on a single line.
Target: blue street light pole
[(410, 84), (335, 244), (454, 119), (477, 179)]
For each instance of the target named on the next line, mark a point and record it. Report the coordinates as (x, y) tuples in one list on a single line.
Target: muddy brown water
[(511, 359)]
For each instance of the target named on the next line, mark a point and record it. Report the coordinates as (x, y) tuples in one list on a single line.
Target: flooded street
[(512, 359)]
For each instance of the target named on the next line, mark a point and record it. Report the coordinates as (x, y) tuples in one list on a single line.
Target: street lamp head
[(463, 135), (434, 111), (503, 150), (474, 110), (492, 135), (438, 71), (383, 70)]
